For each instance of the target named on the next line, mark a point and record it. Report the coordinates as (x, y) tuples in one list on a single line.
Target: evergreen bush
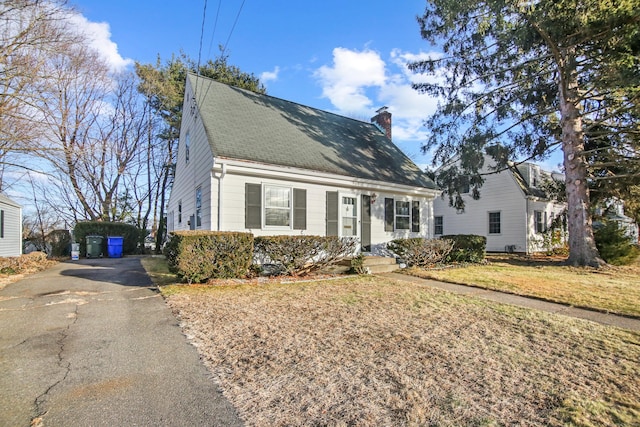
[(466, 247), (614, 246), (196, 256)]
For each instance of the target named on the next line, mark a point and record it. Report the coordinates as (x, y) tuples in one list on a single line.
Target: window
[(439, 225), (494, 222), (198, 206), (274, 206), (538, 220), (180, 212), (403, 215), (277, 206), (464, 185), (187, 147)]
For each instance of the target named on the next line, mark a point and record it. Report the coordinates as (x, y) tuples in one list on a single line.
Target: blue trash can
[(114, 246)]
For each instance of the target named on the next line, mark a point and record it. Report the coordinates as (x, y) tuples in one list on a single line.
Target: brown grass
[(370, 351), (611, 289)]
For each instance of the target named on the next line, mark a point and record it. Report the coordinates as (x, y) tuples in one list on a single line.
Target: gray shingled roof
[(244, 125), (522, 183)]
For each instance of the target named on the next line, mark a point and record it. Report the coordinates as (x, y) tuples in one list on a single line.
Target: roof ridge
[(281, 99)]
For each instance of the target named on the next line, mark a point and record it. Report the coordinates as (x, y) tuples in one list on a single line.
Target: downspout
[(527, 226), (220, 188)]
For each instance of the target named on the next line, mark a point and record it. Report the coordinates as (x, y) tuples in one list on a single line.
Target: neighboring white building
[(513, 213), (10, 227), (254, 163), (614, 211)]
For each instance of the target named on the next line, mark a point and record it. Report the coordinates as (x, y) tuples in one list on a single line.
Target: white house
[(613, 210), (513, 212), (255, 163), (10, 227)]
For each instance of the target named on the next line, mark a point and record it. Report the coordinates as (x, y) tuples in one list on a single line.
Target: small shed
[(10, 227)]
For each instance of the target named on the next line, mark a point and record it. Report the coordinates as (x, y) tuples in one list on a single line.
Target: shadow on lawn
[(528, 260)]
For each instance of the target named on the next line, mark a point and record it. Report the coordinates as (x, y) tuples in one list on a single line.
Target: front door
[(349, 216)]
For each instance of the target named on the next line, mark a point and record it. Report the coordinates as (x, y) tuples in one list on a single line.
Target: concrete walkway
[(91, 343), (506, 298)]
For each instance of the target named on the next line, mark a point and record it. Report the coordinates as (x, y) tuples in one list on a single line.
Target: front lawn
[(611, 289), (371, 351)]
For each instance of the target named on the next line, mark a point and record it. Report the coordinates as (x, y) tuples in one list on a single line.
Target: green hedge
[(130, 234), (420, 252), (297, 255), (196, 256), (466, 247), (614, 245)]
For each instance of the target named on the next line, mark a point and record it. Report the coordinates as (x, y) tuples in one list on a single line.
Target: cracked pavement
[(91, 342)]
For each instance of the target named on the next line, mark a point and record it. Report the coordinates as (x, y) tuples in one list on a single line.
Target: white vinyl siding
[(197, 173), (11, 229)]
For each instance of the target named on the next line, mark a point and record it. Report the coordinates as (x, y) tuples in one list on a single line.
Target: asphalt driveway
[(91, 343)]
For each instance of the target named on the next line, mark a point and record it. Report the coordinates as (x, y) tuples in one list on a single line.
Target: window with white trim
[(494, 222), (438, 222), (402, 215), (538, 221), (277, 206)]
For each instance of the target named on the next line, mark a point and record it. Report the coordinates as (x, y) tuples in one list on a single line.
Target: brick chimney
[(383, 119)]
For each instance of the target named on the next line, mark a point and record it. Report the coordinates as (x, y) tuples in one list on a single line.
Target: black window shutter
[(2, 224), (299, 209), (253, 206), (332, 213), (415, 216), (389, 214)]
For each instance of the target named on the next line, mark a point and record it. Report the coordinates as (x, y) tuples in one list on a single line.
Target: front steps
[(372, 264), (380, 264)]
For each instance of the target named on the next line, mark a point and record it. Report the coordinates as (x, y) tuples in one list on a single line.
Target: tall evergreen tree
[(524, 78)]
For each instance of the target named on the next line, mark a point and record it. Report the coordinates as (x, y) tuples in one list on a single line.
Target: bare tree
[(29, 32)]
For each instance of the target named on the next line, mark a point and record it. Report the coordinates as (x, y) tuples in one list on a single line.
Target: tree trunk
[(582, 245)]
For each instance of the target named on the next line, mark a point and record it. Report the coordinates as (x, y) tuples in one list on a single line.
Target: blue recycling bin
[(114, 246)]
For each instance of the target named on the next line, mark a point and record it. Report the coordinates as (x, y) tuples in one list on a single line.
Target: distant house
[(613, 210), (260, 164), (513, 212), (10, 227)]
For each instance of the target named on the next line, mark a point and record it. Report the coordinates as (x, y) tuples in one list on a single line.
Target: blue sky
[(347, 57)]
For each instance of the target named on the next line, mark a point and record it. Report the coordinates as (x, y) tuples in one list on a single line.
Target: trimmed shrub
[(196, 255), (466, 247), (298, 255), (420, 252), (130, 233), (614, 246)]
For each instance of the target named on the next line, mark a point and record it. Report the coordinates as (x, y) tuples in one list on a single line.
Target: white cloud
[(361, 81), (98, 36), (345, 82), (268, 76)]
